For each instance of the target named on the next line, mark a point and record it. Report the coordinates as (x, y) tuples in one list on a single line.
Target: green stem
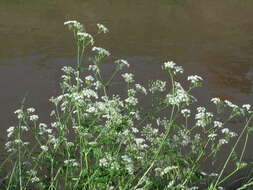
[(244, 146), (155, 157), (228, 176), (232, 151), (12, 173), (19, 157)]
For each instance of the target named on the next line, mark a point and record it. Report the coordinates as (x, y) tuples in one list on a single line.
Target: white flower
[(102, 28), (91, 109), (132, 100), (67, 69), (180, 96), (93, 68), (126, 158), (32, 172), (223, 141), (141, 88), (216, 100), (186, 112), (203, 118), (34, 117), (212, 136), (85, 36), (128, 77), (98, 85), (35, 179), (225, 131), (65, 77), (178, 69), (8, 144), (20, 113), (10, 131), (201, 109), (30, 110), (70, 144), (89, 93), (171, 184), (230, 104), (246, 106), (122, 63), (89, 78), (49, 131), (71, 22), (79, 80), (213, 174), (135, 130), (139, 141), (217, 124), (194, 79), (18, 141), (26, 143), (157, 86), (167, 169), (101, 51), (232, 134), (76, 127), (204, 173), (44, 148), (71, 162), (53, 140), (103, 162), (55, 124), (43, 125), (74, 25), (24, 128), (169, 65)]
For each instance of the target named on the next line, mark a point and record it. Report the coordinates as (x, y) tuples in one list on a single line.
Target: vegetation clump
[(101, 141)]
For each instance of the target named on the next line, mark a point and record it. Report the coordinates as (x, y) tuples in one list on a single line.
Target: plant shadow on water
[(101, 139)]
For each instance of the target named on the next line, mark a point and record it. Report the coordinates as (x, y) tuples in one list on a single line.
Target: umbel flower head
[(74, 25), (172, 67), (102, 29)]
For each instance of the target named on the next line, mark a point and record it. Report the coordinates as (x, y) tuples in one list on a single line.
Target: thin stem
[(195, 164), (19, 157), (244, 146), (112, 77), (155, 157), (228, 176), (12, 173), (232, 151)]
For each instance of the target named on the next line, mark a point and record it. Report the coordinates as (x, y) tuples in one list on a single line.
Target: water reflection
[(210, 38)]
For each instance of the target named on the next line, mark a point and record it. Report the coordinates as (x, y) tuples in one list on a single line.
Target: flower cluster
[(178, 96), (102, 29), (171, 66)]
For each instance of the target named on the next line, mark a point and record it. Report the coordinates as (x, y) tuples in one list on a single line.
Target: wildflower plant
[(98, 140)]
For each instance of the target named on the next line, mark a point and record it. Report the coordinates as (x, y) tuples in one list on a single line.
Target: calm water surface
[(213, 39)]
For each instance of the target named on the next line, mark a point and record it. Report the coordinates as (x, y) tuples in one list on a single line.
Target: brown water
[(211, 38)]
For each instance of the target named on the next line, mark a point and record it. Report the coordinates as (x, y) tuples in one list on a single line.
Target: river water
[(213, 39)]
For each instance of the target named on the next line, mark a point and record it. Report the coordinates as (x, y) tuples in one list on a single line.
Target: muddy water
[(213, 39)]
